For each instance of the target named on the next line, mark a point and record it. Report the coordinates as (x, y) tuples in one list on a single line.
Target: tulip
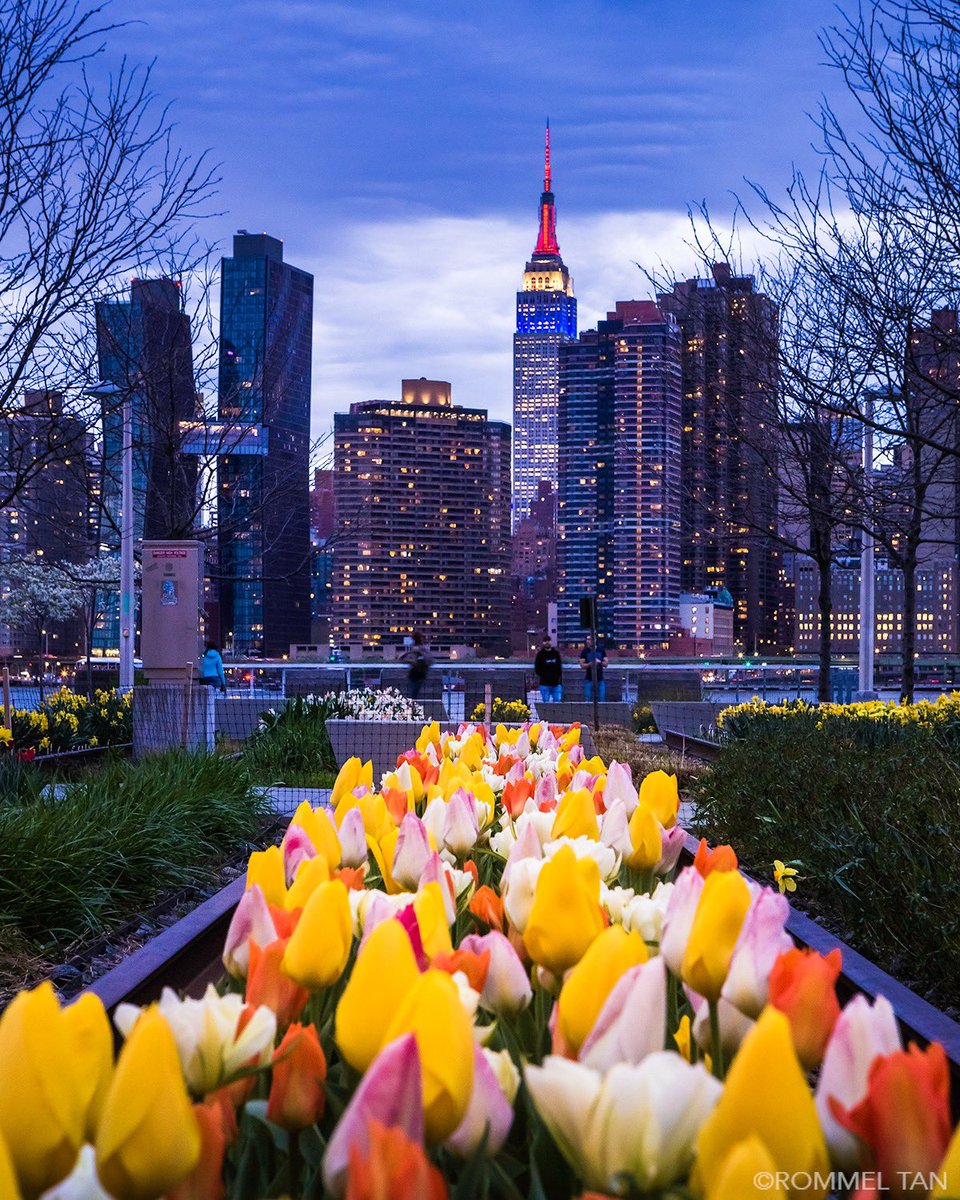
[(527, 845), (431, 916), (576, 817), (8, 1180), (519, 891), (461, 823), (205, 1181), (716, 926), (432, 1011), (296, 1088), (435, 870), (41, 1116), (619, 787), (607, 860), (645, 913), (90, 1044), (148, 1138), (948, 1173), (660, 792), (904, 1118), (266, 870), (803, 986), (720, 858), (762, 939), (565, 915), (471, 964), (252, 920), (614, 831), (517, 793), (412, 852), (545, 793), (297, 849), (390, 1092), (385, 971), (377, 822), (678, 918), (671, 846), (631, 1022), (311, 874), (487, 907), (352, 774), (318, 950), (590, 982), (321, 831), (489, 1114), (634, 1127), (506, 989), (734, 1026), (862, 1033), (353, 839), (383, 852), (393, 1166), (766, 1094), (268, 985), (748, 1173), (429, 736), (646, 839), (407, 919)]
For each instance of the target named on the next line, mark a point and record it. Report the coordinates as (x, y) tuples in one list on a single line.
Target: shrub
[(510, 712), (642, 716), (865, 801), (66, 720)]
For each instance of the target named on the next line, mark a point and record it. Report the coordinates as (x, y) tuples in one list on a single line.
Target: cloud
[(435, 296)]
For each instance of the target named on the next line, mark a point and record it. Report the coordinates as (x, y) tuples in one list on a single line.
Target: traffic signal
[(588, 612)]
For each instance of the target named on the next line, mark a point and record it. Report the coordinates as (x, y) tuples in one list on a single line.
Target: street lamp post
[(867, 571)]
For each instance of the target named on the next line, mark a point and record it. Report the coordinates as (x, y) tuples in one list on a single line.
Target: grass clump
[(866, 805)]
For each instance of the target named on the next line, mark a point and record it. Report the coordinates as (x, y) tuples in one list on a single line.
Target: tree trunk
[(908, 641), (822, 557)]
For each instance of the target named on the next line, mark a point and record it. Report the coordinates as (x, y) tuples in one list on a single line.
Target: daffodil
[(784, 876)]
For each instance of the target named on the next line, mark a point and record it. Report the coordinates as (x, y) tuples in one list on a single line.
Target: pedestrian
[(419, 668), (548, 668), (211, 668), (592, 662)]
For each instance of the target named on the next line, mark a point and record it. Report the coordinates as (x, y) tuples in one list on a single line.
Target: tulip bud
[(383, 974), (353, 839), (646, 839), (252, 921), (265, 868), (659, 791), (431, 916), (748, 1173), (318, 950), (716, 926), (489, 1114), (296, 1088), (678, 918), (311, 873), (268, 985), (506, 989), (91, 1051), (631, 1023), (320, 830), (591, 981), (565, 915), (148, 1138), (576, 817), (392, 1166), (762, 939), (412, 852), (803, 986), (205, 1181)]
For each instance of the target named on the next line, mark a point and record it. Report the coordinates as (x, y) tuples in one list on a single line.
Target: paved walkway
[(287, 799)]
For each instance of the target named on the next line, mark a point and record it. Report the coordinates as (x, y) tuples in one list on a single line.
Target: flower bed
[(483, 976), (66, 721)]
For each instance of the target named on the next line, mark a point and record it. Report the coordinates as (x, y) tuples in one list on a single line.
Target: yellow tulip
[(383, 851), (41, 1118), (571, 738), (453, 775), (311, 873), (948, 1175), (746, 1164), (352, 774), (593, 766), (576, 816), (319, 947), (266, 869), (766, 1093), (660, 791), (8, 1180), (471, 752), (716, 926), (646, 839), (408, 780), (433, 1013), (321, 832), (91, 1050), (486, 800), (565, 915), (432, 920), (429, 736), (384, 972), (148, 1138), (591, 981)]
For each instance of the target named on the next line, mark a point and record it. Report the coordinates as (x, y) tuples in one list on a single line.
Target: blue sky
[(396, 148)]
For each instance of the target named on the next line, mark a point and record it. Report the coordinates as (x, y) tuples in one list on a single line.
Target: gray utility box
[(171, 604)]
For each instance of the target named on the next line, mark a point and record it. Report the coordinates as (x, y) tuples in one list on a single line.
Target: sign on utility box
[(171, 604)]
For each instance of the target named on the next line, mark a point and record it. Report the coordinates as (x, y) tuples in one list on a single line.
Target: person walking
[(548, 668), (592, 662), (419, 668), (211, 668)]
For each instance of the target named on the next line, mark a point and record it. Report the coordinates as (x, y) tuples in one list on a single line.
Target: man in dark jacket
[(548, 667)]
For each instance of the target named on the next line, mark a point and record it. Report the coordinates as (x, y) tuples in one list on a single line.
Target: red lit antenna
[(546, 160), (547, 235)]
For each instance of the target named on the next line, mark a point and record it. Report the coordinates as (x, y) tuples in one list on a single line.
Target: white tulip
[(519, 891)]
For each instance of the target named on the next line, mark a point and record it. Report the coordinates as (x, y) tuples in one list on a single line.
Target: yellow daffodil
[(784, 876)]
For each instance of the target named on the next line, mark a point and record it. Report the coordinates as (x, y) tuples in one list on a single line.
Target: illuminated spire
[(547, 238)]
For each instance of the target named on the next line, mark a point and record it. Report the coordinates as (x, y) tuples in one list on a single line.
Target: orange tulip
[(803, 987), (720, 858), (394, 1168), (397, 802), (205, 1181), (474, 966), (487, 906), (299, 1070), (516, 794), (267, 984), (351, 878), (905, 1116)]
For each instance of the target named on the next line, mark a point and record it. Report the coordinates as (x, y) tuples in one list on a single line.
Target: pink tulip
[(576, 755), (522, 745), (614, 827), (583, 779), (251, 919), (363, 790), (527, 845), (412, 852), (506, 990), (619, 786), (297, 848), (762, 939), (375, 907), (672, 841), (632, 1021), (461, 823), (862, 1032), (353, 839), (545, 793), (408, 919), (489, 1112), (391, 1092), (547, 741), (678, 918), (516, 772)]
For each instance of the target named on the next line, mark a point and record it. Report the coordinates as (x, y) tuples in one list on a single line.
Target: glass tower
[(266, 314), (546, 318)]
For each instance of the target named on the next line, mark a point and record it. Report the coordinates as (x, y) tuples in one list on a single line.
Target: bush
[(509, 712), (67, 720), (76, 859), (642, 715), (865, 801)]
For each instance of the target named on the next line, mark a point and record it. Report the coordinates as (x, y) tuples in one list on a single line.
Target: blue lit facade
[(266, 315)]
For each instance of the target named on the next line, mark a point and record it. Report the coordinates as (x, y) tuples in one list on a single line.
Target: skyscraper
[(619, 472), (546, 319), (266, 314), (422, 504), (729, 487)]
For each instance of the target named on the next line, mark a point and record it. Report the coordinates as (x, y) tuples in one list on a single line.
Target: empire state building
[(546, 317)]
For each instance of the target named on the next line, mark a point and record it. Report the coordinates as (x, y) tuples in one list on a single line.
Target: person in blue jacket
[(211, 668)]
